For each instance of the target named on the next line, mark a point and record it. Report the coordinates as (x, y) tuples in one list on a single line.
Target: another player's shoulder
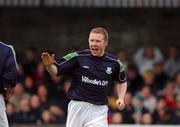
[(5, 47), (84, 52)]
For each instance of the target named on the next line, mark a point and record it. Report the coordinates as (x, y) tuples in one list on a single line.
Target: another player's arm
[(10, 73), (48, 61)]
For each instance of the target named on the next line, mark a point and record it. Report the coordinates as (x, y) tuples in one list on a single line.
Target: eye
[(98, 41), (91, 40)]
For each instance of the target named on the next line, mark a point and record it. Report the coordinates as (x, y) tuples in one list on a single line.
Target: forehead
[(96, 36)]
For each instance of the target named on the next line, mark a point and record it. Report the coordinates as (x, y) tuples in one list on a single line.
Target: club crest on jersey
[(109, 70)]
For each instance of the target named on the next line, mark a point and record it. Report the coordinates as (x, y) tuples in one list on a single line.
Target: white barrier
[(112, 125), (138, 125)]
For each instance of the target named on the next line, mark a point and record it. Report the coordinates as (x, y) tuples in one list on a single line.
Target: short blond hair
[(100, 30)]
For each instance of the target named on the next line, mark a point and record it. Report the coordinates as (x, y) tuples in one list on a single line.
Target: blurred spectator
[(58, 113), (54, 85), (29, 85), (10, 111), (172, 63), (129, 109), (139, 109), (177, 83), (42, 92), (24, 115), (123, 57), (169, 95), (160, 75), (64, 100), (117, 118), (177, 110), (149, 101), (134, 79), (36, 106), (166, 116), (19, 93), (160, 105), (147, 119), (145, 58), (30, 62), (40, 75), (149, 80), (47, 117)]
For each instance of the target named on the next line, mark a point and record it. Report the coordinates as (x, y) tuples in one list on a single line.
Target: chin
[(94, 54)]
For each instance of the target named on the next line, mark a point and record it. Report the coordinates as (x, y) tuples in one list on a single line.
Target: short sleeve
[(66, 64), (120, 75)]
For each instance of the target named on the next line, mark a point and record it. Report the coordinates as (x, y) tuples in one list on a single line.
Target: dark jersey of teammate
[(91, 75), (8, 67)]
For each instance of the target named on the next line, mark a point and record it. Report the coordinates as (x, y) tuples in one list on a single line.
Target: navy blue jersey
[(91, 75), (8, 67)]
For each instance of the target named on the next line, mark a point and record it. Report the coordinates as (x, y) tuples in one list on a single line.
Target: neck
[(100, 55)]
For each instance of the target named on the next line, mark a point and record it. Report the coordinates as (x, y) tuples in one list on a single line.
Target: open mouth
[(94, 49)]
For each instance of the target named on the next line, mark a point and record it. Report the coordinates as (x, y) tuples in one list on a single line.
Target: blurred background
[(144, 34)]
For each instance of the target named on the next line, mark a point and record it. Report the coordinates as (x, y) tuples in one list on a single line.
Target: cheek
[(102, 46)]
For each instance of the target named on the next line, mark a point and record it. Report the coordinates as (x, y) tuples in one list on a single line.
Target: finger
[(53, 56), (45, 54)]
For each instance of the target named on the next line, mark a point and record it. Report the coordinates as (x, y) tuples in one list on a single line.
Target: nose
[(93, 43)]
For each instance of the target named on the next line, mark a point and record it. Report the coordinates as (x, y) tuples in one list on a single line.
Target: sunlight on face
[(97, 44)]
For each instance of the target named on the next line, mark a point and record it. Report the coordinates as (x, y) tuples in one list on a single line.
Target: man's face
[(97, 44)]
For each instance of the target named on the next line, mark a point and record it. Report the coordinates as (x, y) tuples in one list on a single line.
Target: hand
[(47, 60), (120, 104), (9, 92)]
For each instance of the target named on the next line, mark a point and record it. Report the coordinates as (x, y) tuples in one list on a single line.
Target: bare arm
[(52, 69), (122, 88)]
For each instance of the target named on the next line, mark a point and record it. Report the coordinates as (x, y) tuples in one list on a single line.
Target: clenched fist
[(47, 59), (120, 104)]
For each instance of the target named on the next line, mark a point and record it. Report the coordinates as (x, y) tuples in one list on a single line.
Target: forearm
[(52, 69), (122, 88)]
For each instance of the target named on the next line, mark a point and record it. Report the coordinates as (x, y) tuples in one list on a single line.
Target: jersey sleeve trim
[(67, 58), (70, 56), (122, 68)]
